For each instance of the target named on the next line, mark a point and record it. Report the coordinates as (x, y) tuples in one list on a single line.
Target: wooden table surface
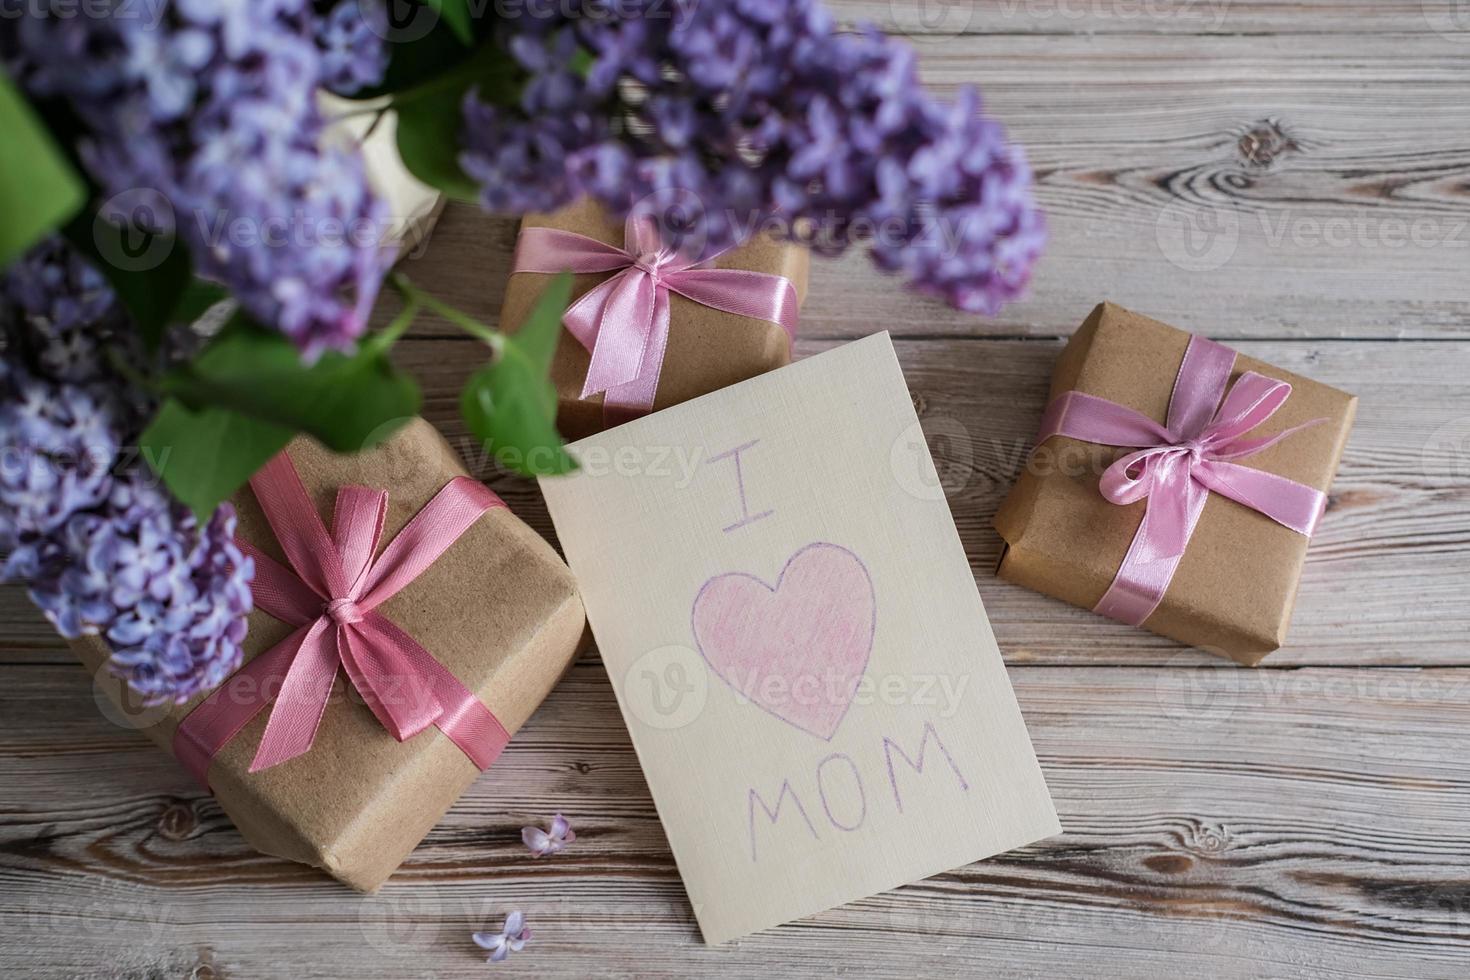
[(1292, 177)]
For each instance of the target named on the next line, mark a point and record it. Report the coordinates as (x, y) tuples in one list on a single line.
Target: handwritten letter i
[(746, 517)]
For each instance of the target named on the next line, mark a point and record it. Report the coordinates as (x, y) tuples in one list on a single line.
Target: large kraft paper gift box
[(708, 348), (1234, 587), (498, 609)]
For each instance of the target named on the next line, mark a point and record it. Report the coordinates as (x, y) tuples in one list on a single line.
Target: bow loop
[(1132, 477), (357, 528), (621, 316), (1253, 399), (293, 519), (624, 321)]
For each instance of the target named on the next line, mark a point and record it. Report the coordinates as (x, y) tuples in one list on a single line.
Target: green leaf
[(205, 456), (510, 405), (431, 119), (538, 336), (428, 143), (149, 272), (39, 190), (456, 14), (348, 402)]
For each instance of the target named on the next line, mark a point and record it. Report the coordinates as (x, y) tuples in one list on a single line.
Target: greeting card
[(796, 642)]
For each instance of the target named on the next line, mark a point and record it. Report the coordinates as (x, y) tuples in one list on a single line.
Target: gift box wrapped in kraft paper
[(648, 328), (1175, 485), (406, 623)]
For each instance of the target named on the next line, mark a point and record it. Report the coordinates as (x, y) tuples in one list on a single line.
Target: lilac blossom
[(213, 105), (350, 37), (512, 938), (553, 841), (101, 548), (762, 116)]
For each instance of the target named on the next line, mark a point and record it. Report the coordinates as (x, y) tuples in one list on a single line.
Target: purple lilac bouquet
[(164, 152), (214, 110), (754, 110), (103, 548)]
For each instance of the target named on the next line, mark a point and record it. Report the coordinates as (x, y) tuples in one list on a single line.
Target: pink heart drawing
[(797, 649)]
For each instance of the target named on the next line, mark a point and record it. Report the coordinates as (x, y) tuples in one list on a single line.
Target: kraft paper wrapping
[(499, 609), (1236, 586), (708, 349)]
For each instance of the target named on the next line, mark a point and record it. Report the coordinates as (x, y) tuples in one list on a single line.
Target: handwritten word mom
[(837, 784)]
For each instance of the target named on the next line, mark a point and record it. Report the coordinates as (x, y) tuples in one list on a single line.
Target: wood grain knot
[(205, 967), (1169, 864), (177, 822), (1264, 143), (1209, 840)]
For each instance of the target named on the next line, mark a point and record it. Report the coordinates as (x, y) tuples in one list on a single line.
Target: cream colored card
[(794, 635)]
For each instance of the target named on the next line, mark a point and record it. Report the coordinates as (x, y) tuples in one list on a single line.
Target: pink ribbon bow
[(330, 594), (624, 321), (1181, 462)]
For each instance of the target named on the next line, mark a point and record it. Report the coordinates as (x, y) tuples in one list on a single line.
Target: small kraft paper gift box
[(406, 623), (1174, 485), (648, 327)]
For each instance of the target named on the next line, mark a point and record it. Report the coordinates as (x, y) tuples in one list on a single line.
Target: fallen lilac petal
[(511, 938), (542, 843), (538, 840), (562, 829)]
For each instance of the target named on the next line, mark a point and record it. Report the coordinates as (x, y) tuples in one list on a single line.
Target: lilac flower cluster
[(350, 37), (100, 546), (729, 113), (213, 105)]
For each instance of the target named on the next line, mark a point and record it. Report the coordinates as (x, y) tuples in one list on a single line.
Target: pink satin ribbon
[(1180, 463), (330, 595), (624, 322)]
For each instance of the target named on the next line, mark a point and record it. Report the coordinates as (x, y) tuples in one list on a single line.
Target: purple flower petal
[(537, 840), (513, 937), (542, 843)]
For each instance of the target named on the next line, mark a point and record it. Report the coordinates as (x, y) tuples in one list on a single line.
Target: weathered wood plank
[(1219, 822), (927, 21), (1251, 186), (1385, 577)]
